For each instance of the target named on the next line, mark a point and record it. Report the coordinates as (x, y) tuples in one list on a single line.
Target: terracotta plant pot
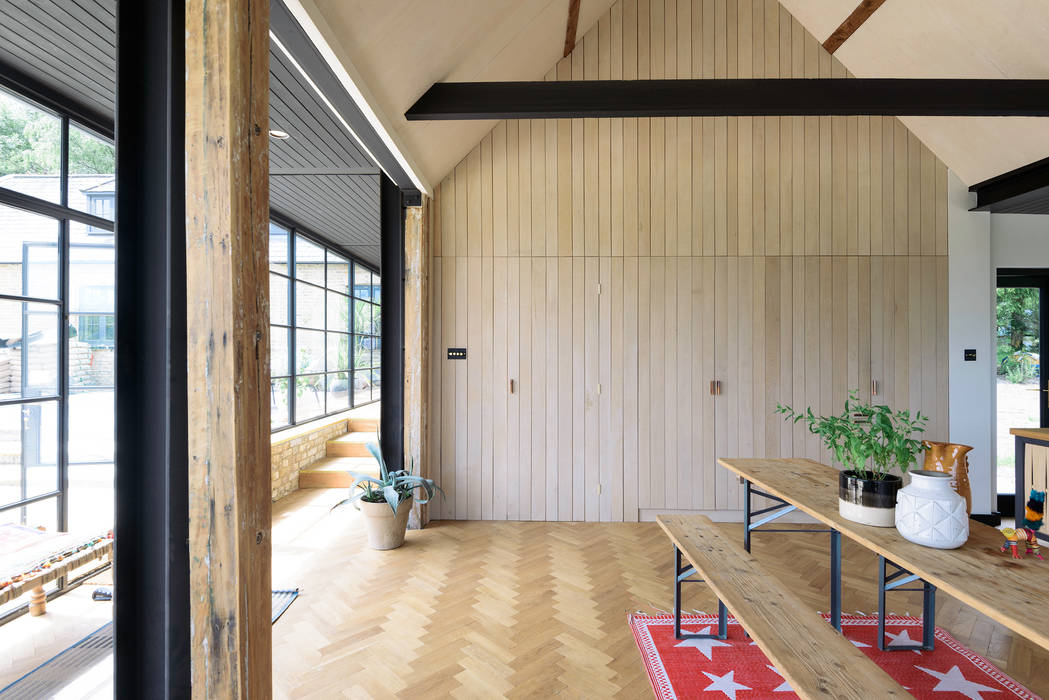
[(868, 501), (952, 459), (386, 530)]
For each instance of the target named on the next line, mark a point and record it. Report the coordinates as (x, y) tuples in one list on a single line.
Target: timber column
[(227, 290)]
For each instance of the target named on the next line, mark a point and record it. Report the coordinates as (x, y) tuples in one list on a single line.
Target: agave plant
[(391, 486)]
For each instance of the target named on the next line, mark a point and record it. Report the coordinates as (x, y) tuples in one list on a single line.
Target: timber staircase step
[(364, 425), (333, 472), (352, 444)]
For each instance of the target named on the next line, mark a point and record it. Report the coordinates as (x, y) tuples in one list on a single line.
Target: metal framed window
[(322, 360), (57, 330)]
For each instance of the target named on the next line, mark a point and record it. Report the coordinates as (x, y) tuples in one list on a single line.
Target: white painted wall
[(979, 244), (971, 384)]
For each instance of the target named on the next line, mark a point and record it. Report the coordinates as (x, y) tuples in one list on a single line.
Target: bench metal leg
[(779, 509), (685, 574), (895, 582)]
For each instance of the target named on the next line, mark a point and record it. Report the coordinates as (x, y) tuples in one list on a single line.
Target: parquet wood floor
[(525, 609)]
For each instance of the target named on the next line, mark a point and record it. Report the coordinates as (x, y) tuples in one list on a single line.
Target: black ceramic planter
[(869, 501)]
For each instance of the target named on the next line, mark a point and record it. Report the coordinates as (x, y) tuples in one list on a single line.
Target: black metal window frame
[(290, 374), (63, 216)]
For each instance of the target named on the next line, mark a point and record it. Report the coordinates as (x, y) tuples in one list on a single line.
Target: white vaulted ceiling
[(400, 48), (950, 39)]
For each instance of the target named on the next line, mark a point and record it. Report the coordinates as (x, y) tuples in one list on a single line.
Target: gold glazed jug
[(951, 459)]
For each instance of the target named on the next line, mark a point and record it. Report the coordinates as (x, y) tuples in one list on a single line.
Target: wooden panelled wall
[(611, 269)]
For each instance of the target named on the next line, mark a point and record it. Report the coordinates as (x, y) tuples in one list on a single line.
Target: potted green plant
[(387, 501), (868, 440)]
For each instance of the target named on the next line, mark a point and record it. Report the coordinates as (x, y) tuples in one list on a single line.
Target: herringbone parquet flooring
[(523, 610)]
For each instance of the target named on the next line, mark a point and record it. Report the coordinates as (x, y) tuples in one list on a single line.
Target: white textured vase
[(930, 513)]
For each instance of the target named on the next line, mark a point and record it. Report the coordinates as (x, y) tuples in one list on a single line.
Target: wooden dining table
[(1012, 592)]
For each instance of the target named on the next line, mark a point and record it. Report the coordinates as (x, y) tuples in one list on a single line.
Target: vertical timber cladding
[(613, 268), (227, 209)]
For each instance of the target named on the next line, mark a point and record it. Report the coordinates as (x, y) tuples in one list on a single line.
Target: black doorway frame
[(1008, 503)]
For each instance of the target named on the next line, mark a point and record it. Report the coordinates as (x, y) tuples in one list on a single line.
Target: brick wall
[(294, 453)]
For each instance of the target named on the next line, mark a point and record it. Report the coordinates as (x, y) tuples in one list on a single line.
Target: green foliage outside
[(1018, 345), (865, 437), (30, 143)]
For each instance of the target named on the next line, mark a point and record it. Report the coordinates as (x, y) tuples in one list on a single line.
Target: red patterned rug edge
[(664, 691)]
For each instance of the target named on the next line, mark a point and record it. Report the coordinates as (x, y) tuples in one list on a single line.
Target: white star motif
[(727, 685), (858, 644), (783, 687), (705, 646), (902, 639), (954, 681)]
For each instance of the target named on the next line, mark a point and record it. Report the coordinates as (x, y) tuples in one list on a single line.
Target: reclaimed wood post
[(227, 300), (417, 346)]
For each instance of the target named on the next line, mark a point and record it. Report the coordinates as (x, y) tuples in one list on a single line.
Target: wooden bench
[(812, 656)]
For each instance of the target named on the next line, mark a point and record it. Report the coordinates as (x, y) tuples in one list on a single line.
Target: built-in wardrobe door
[(675, 363), (753, 363), (908, 321)]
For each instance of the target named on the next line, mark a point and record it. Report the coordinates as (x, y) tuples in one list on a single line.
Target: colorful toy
[(1035, 511), (1015, 537)]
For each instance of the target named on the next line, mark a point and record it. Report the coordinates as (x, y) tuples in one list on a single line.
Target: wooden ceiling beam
[(733, 97), (854, 21), (572, 26)]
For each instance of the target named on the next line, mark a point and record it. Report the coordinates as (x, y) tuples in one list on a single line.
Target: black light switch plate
[(970, 354), (456, 353)]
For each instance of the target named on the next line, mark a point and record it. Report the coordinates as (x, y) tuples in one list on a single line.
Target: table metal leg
[(746, 514), (686, 574), (895, 582), (835, 579)]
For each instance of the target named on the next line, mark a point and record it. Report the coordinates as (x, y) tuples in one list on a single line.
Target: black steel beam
[(1024, 190), (152, 483), (733, 97), (391, 409)]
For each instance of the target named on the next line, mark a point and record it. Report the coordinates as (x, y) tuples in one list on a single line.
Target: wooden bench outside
[(812, 656)]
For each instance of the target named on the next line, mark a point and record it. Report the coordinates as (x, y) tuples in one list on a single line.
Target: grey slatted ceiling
[(69, 46)]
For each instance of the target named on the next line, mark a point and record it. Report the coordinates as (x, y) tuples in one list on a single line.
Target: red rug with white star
[(737, 669)]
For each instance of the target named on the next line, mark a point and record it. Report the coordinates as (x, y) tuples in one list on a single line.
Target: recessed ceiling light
[(280, 135)]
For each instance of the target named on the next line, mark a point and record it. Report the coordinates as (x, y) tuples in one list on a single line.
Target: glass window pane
[(362, 387), (309, 261), (278, 248), (33, 371), (279, 403), (30, 240), (309, 351), (309, 306), (92, 277), (338, 392), (362, 282), (362, 317), (338, 273), (377, 320), (29, 436), (376, 344), (278, 300), (376, 384), (91, 460), (30, 152), (309, 397), (279, 338), (361, 351), (42, 514), (338, 312), (92, 342), (376, 291), (92, 187), (338, 351)]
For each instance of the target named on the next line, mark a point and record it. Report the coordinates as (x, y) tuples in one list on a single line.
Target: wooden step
[(364, 425), (352, 444), (333, 472)]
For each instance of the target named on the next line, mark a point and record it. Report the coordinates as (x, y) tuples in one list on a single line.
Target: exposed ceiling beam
[(853, 22), (733, 97), (278, 172), (1021, 191), (572, 26)]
